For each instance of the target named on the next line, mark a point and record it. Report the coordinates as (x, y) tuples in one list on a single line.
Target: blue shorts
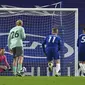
[(81, 56), (52, 54)]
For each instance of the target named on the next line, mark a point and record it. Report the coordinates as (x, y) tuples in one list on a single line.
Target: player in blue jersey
[(51, 47), (81, 51), (15, 44)]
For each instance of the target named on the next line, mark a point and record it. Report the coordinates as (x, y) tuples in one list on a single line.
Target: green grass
[(42, 80)]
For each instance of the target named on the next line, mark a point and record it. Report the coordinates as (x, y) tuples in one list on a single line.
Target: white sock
[(83, 68), (57, 67)]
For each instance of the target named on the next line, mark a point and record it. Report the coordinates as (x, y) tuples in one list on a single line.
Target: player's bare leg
[(15, 65), (3, 67), (50, 65), (57, 67), (20, 61)]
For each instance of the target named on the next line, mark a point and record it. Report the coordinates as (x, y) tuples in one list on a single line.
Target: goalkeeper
[(3, 58), (15, 44)]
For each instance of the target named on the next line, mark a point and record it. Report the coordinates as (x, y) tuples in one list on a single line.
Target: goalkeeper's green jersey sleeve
[(16, 36)]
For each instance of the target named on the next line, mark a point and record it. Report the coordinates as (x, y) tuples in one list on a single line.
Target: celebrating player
[(52, 48), (3, 58), (15, 44), (81, 51)]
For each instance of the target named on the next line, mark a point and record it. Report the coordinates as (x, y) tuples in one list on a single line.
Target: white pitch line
[(32, 35), (28, 56)]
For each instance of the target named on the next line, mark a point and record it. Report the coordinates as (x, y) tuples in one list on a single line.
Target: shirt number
[(14, 34), (53, 39), (83, 39)]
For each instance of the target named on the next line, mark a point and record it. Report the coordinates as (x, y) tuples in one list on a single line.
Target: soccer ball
[(24, 69)]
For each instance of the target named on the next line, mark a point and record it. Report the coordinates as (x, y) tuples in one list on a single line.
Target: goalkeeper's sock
[(14, 70), (19, 68), (57, 68)]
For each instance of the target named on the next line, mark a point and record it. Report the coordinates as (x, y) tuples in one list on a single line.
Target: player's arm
[(23, 35), (59, 44), (9, 38), (43, 46), (6, 62), (78, 42)]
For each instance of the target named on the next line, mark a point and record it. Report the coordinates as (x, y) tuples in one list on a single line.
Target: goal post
[(76, 37), (38, 23)]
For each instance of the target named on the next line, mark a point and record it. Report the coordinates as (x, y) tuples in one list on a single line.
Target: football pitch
[(28, 80)]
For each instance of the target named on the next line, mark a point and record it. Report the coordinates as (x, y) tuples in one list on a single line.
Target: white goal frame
[(55, 9)]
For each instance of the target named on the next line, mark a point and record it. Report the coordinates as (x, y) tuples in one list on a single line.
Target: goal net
[(38, 23)]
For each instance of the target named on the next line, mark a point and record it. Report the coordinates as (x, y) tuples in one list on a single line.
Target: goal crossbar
[(40, 9)]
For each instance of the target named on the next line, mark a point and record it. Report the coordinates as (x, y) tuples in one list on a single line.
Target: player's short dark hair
[(54, 30), (83, 29)]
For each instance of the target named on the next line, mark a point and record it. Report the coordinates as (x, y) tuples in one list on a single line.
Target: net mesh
[(37, 26)]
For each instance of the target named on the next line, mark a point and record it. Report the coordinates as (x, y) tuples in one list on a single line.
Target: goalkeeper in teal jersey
[(15, 45)]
